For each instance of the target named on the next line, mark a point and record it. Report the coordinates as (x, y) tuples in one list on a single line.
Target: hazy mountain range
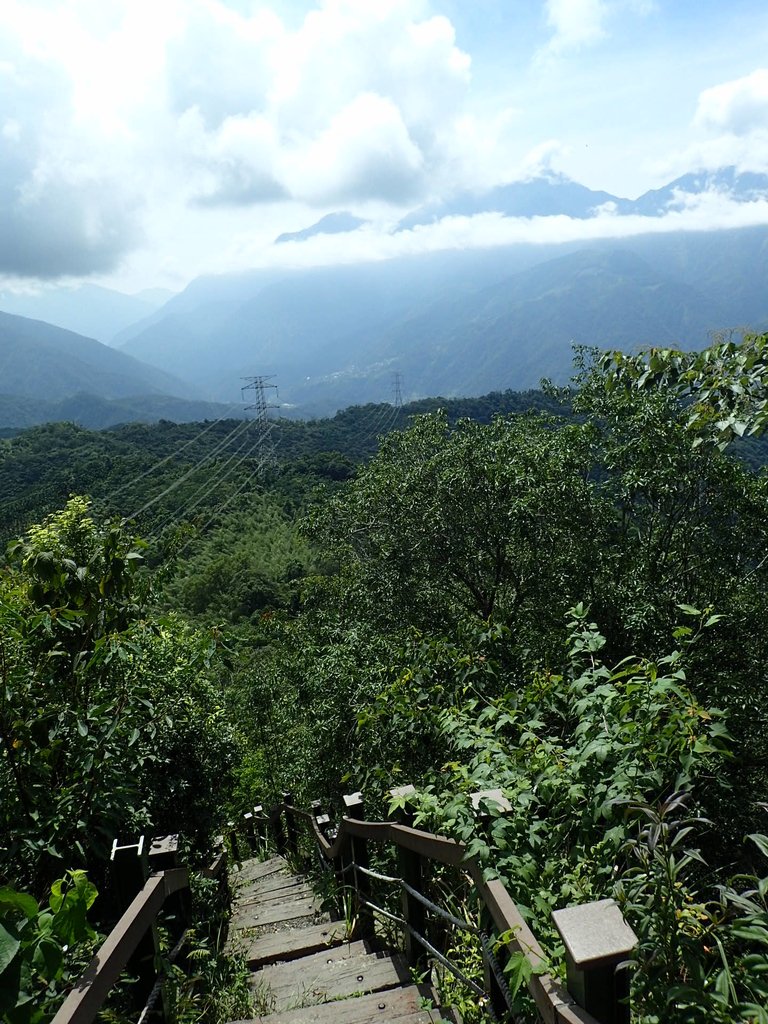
[(458, 322), (86, 309)]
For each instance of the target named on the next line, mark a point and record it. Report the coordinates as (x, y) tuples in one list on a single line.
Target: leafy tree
[(490, 520), (242, 567), (94, 698), (723, 389)]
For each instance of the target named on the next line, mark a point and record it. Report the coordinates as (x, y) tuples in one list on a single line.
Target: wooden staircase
[(304, 967)]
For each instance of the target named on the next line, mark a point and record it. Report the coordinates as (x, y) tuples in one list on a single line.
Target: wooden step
[(288, 943), (256, 916), (403, 1005), (275, 883), (333, 974), (296, 891), (250, 870), (268, 897), (304, 970)]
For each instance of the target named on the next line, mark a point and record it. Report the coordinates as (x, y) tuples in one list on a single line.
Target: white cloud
[(206, 127), (355, 101), (578, 24), (738, 108), (731, 122), (65, 206), (115, 108), (575, 23), (710, 211), (542, 159), (366, 152)]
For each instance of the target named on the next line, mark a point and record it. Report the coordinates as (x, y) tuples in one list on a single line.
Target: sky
[(145, 142)]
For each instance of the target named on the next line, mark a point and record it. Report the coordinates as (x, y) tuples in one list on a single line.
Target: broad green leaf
[(12, 900), (760, 841), (9, 947)]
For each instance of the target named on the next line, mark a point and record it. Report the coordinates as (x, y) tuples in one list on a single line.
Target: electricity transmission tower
[(260, 407), (397, 380)]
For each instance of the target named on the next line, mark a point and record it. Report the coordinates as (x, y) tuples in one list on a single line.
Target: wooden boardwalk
[(304, 969)]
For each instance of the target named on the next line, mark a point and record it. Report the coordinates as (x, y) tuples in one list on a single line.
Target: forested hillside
[(563, 597)]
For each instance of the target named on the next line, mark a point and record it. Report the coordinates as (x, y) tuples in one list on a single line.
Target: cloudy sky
[(143, 143)]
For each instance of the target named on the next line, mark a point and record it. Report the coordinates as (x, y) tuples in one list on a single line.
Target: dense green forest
[(562, 595)]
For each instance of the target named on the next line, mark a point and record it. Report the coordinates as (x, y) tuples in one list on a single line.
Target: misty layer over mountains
[(459, 322), (454, 323)]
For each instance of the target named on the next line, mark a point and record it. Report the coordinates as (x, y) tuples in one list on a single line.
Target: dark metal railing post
[(411, 868), (364, 926), (260, 824), (129, 870), (291, 832), (250, 832), (234, 843)]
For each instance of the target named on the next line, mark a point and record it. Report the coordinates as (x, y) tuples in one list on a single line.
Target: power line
[(208, 485), (178, 482), (168, 458), (260, 407), (263, 462), (381, 417)]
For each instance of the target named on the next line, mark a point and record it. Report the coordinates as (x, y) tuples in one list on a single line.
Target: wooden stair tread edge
[(286, 897), (403, 1005), (254, 916), (288, 943), (253, 868), (335, 974), (267, 895), (271, 883)]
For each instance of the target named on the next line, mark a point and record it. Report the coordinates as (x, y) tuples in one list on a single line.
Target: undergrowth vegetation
[(569, 608)]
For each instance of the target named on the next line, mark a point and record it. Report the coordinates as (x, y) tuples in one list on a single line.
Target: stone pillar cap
[(595, 934)]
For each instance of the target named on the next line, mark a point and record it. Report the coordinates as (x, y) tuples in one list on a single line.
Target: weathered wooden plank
[(254, 916), (288, 899), (288, 944), (265, 905), (272, 883), (332, 974), (288, 892), (400, 1004), (252, 869)]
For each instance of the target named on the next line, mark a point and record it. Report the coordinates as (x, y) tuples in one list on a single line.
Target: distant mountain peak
[(741, 186), (331, 224), (546, 193)]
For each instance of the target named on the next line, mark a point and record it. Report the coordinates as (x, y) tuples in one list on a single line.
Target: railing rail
[(85, 1000), (346, 849), (168, 886)]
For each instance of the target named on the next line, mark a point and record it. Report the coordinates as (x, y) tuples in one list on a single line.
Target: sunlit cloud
[(575, 23), (163, 140), (739, 107), (731, 126)]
